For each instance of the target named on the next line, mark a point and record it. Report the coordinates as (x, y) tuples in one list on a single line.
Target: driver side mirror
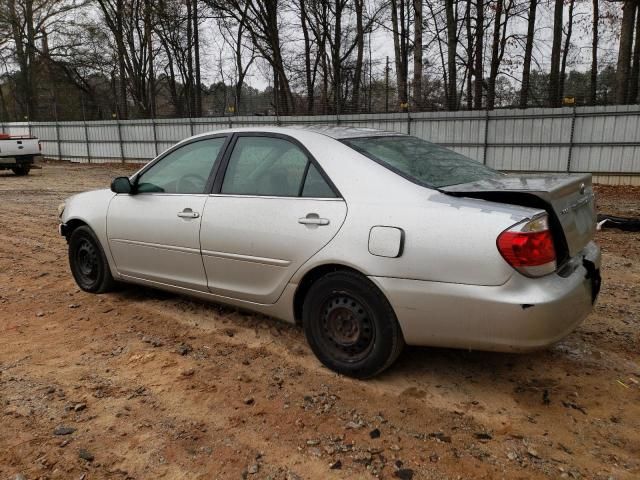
[(121, 185)]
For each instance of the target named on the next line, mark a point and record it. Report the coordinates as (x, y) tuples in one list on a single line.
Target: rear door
[(273, 209), (154, 233)]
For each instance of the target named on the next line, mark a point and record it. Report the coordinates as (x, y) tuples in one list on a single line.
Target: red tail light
[(528, 247)]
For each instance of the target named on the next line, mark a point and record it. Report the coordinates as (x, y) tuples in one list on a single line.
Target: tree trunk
[(452, 44), (335, 58), (554, 77), (307, 56), (417, 53), (469, 69), (495, 56), (396, 20), (526, 69), (635, 71), (565, 52), (357, 74), (479, 67), (624, 51), (121, 61), (152, 80), (196, 41), (594, 56), (189, 87)]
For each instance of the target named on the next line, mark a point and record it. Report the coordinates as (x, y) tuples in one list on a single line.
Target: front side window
[(185, 170), (265, 166), (421, 161)]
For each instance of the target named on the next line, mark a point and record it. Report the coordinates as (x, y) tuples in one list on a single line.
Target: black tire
[(21, 171), (88, 262), (350, 325)]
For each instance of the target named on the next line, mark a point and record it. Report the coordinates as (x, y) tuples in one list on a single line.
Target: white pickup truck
[(18, 153)]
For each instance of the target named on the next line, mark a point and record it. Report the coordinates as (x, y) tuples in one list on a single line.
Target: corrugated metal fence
[(602, 140)]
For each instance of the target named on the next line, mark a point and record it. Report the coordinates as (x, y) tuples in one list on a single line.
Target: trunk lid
[(568, 198)]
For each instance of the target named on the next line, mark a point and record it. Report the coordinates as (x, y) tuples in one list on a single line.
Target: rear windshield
[(420, 161)]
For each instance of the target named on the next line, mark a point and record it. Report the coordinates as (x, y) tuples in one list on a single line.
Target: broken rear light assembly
[(528, 247)]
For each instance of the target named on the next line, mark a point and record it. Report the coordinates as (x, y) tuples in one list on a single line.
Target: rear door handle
[(188, 213), (313, 219)]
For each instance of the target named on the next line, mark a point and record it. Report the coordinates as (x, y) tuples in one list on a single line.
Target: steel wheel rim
[(87, 261), (346, 328)]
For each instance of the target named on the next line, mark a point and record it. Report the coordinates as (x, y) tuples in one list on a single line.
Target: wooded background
[(127, 59)]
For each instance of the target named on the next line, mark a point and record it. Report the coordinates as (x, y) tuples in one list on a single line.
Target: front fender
[(91, 208)]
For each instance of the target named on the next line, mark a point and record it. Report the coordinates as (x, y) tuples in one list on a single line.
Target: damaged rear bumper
[(523, 314)]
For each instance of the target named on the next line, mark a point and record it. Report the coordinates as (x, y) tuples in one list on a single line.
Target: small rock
[(512, 456), (404, 474), (375, 433), (353, 425), (441, 437), (74, 305), (79, 407), (337, 465), (313, 443), (40, 314), (188, 372), (253, 469), (483, 436), (293, 476), (85, 455), (20, 477), (533, 453), (248, 401), (64, 431), (184, 349)]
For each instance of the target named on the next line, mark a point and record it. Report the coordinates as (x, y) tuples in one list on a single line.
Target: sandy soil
[(160, 386)]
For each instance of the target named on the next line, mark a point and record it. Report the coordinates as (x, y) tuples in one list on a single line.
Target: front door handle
[(313, 219), (188, 213)]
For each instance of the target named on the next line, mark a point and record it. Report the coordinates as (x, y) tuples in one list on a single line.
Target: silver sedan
[(368, 239)]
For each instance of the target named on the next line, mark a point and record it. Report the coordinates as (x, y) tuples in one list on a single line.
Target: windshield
[(420, 161)]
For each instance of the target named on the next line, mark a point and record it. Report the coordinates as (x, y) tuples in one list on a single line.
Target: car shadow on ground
[(414, 364)]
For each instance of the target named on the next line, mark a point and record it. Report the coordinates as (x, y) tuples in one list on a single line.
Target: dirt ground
[(141, 384)]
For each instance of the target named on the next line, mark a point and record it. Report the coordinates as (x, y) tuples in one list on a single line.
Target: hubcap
[(347, 329), (87, 260)]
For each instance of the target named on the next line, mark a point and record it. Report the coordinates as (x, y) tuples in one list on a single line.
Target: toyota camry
[(370, 240)]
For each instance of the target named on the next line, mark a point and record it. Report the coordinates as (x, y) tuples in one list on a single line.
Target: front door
[(154, 232), (274, 210)]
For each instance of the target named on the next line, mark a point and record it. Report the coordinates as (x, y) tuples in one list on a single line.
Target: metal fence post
[(571, 136), (86, 132), (155, 137), (408, 122), (58, 140), (120, 140), (486, 137)]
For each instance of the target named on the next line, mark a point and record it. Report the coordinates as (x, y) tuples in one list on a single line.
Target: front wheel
[(21, 171), (350, 325), (88, 262)]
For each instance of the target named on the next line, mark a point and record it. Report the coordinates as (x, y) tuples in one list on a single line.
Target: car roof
[(339, 132)]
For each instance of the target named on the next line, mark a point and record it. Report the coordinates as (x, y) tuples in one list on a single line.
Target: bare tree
[(624, 51), (479, 52), (594, 55), (528, 50), (553, 96)]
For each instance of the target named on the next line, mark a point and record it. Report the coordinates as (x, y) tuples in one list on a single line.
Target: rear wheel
[(21, 171), (350, 325), (88, 262)]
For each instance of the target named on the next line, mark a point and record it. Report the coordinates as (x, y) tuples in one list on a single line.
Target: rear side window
[(315, 186), (271, 166), (421, 161)]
